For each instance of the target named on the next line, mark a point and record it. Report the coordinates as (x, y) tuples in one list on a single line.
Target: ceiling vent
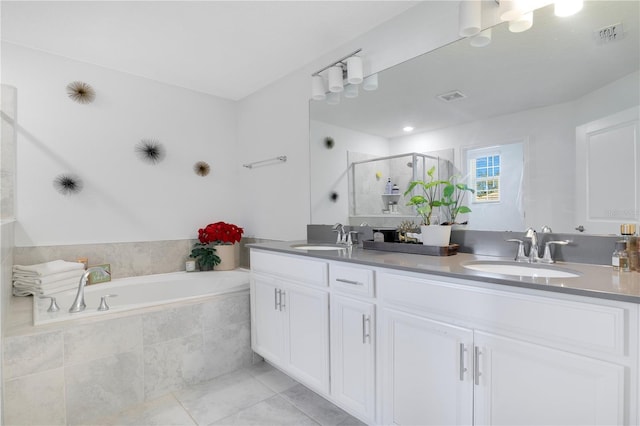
[(452, 96), (609, 33)]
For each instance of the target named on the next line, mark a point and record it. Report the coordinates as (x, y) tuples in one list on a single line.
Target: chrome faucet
[(342, 237), (546, 258), (534, 257), (78, 304)]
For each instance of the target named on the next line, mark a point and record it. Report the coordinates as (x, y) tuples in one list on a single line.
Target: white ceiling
[(556, 61), (224, 48)]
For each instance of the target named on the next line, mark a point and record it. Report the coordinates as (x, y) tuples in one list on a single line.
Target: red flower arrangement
[(210, 236), (220, 233)]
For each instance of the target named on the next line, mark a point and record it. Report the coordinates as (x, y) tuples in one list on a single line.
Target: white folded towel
[(48, 268), (76, 273), (51, 285), (28, 291)]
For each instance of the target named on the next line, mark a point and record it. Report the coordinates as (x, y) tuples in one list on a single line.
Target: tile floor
[(258, 395)]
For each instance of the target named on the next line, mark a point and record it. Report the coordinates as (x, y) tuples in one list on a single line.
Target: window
[(486, 178)]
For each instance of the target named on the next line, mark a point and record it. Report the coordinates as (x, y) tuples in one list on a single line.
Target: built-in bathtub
[(141, 292), (163, 333)]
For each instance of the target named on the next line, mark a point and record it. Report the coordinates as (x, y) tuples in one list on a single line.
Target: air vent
[(609, 33), (452, 96)]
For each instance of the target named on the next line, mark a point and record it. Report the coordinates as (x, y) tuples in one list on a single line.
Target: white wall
[(124, 199), (549, 190), (275, 120), (327, 164)]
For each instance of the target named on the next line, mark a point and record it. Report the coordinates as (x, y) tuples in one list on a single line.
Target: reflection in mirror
[(535, 90)]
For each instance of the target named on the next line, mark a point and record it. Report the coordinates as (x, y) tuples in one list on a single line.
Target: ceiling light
[(511, 9), (354, 70), (481, 40), (522, 23), (371, 82), (407, 129), (351, 91), (348, 67), (567, 7), (318, 90), (333, 98), (469, 16), (336, 82)]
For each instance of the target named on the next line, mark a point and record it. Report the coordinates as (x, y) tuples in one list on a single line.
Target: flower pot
[(435, 235), (229, 257)]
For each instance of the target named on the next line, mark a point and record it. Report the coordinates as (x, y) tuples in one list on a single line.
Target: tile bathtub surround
[(126, 259), (87, 371)]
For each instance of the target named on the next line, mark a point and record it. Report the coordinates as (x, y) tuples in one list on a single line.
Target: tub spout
[(78, 304)]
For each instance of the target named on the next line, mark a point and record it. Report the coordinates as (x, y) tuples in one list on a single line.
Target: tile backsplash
[(126, 259)]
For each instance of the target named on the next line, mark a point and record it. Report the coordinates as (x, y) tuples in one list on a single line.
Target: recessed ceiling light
[(408, 129)]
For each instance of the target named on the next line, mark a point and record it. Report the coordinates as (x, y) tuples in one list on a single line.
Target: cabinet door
[(307, 324), (426, 371), (267, 321), (352, 355), (520, 383)]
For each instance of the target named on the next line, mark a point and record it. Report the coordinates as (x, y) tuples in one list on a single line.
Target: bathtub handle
[(53, 307), (103, 302)]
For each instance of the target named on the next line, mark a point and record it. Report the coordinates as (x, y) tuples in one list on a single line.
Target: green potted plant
[(453, 198), (425, 204), (222, 236)]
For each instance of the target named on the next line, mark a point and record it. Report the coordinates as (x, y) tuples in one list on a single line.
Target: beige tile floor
[(258, 395)]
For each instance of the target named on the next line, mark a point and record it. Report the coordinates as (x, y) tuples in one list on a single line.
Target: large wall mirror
[(555, 106)]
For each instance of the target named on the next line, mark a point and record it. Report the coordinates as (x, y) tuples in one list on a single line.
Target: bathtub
[(142, 292)]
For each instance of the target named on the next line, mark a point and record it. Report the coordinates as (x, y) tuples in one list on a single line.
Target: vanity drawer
[(297, 268), (555, 321), (352, 279)]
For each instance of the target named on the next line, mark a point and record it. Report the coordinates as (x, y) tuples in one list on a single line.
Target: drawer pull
[(342, 280), (476, 365), (463, 366), (366, 329)]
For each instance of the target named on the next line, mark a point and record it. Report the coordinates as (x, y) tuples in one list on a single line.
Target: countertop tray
[(411, 248)]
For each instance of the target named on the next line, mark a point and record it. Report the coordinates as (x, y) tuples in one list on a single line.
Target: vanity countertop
[(594, 281)]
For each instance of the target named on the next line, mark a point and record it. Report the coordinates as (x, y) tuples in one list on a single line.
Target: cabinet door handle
[(342, 280), (275, 299), (282, 296), (476, 365), (366, 329), (463, 364)]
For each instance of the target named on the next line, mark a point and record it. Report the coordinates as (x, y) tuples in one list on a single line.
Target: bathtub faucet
[(78, 304)]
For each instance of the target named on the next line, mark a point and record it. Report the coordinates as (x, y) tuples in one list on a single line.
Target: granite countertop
[(594, 281)]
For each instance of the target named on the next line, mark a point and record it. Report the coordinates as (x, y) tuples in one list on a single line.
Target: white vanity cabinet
[(455, 354), (290, 316), (399, 347), (353, 339)]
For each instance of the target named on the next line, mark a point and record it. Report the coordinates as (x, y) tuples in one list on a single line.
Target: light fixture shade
[(336, 84), (354, 70), (318, 91), (333, 98), (351, 91), (481, 40), (511, 9), (567, 7), (469, 16), (371, 82), (523, 23)]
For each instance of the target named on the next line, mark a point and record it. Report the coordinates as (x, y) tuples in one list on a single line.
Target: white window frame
[(475, 180)]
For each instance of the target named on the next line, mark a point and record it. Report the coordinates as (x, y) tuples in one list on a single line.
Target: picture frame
[(97, 277)]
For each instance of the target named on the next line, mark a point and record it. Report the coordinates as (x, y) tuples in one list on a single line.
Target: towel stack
[(46, 278)]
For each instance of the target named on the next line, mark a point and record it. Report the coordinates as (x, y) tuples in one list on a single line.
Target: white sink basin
[(521, 269), (319, 247)]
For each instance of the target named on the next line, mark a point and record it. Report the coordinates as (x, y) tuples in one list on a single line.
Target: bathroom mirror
[(535, 89)]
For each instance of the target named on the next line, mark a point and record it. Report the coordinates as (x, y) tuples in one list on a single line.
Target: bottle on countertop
[(628, 231), (620, 258)]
